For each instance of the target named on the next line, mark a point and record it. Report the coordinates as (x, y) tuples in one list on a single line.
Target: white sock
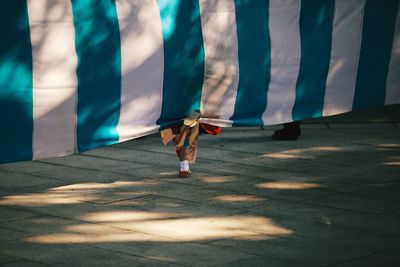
[(184, 165)]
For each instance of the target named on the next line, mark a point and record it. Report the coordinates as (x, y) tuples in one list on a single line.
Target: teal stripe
[(183, 59), (376, 48), (254, 61), (97, 42), (316, 22), (16, 107)]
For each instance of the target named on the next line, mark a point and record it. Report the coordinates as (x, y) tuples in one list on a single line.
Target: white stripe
[(54, 77), (284, 17), (346, 45), (393, 80), (221, 73), (142, 67)]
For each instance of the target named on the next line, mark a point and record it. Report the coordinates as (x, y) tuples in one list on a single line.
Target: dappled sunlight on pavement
[(325, 199), (162, 227)]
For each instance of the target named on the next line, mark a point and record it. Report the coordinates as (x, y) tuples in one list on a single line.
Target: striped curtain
[(81, 74)]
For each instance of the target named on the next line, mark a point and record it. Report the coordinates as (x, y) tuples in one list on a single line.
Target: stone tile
[(73, 174), (189, 192), (94, 163), (55, 230), (26, 167), (329, 198), (376, 260), (314, 125), (131, 155), (69, 195), (267, 171), (388, 191), (23, 263), (197, 178), (11, 214), (7, 259), (380, 224), (281, 185), (12, 180), (186, 254), (47, 185), (367, 125), (40, 224), (163, 216), (300, 222), (154, 175), (286, 211), (73, 255), (69, 211), (263, 261), (356, 203), (310, 252), (184, 191), (9, 234), (173, 207)]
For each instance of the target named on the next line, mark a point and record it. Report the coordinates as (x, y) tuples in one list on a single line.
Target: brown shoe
[(184, 174)]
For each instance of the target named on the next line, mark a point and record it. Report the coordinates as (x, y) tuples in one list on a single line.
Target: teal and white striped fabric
[(81, 74)]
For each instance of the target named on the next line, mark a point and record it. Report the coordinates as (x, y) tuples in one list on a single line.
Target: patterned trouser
[(186, 143)]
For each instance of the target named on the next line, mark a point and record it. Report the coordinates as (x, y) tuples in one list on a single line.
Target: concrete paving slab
[(11, 214), (295, 214), (13, 180), (314, 126), (63, 194), (26, 167), (375, 260), (23, 263), (94, 163), (51, 183), (5, 259), (161, 216), (356, 203), (187, 192), (172, 207), (7, 234), (370, 223), (70, 210), (55, 230), (66, 255), (261, 261), (258, 192), (186, 254), (332, 197), (387, 191), (302, 251), (376, 125), (74, 174), (124, 154)]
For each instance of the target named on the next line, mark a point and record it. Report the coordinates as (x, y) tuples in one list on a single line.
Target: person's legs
[(290, 131), (186, 150)]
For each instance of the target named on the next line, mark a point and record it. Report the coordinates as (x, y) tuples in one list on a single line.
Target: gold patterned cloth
[(185, 137)]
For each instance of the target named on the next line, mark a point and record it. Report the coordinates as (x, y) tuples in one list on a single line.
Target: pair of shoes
[(184, 174), (290, 131)]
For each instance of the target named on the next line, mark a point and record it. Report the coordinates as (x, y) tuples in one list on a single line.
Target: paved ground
[(331, 198)]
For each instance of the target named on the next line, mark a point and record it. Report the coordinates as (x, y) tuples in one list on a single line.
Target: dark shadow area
[(329, 198)]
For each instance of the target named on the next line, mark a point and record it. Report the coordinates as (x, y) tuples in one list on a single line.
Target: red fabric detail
[(210, 129)]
